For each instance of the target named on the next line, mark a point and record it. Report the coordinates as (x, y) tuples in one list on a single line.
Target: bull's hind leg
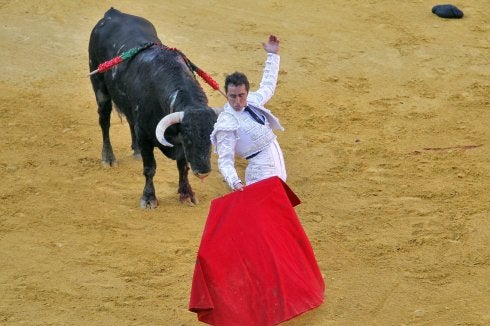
[(104, 104), (149, 199), (185, 190)]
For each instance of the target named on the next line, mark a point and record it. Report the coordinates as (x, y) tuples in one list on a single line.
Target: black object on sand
[(447, 11)]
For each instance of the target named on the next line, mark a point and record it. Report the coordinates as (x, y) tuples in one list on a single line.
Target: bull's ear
[(217, 110)]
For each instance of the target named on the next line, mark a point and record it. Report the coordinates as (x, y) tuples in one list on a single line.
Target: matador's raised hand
[(272, 44)]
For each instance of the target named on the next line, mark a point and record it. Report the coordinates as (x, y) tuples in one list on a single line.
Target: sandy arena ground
[(387, 143)]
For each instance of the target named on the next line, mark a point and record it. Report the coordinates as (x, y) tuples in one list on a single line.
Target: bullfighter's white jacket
[(237, 132)]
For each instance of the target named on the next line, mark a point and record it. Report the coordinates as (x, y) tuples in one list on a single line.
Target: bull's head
[(194, 133)]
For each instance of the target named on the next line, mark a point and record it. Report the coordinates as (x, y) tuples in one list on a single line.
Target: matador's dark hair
[(237, 79)]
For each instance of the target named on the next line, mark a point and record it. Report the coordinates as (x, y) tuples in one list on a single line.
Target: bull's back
[(117, 32)]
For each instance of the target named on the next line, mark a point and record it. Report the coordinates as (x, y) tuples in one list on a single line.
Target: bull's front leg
[(185, 190), (149, 199)]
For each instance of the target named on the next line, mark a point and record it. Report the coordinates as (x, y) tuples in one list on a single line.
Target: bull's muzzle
[(200, 175)]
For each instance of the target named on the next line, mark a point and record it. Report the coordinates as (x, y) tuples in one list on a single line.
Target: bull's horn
[(218, 110), (166, 122)]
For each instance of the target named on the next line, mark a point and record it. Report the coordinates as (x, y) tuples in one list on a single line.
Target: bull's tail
[(120, 114)]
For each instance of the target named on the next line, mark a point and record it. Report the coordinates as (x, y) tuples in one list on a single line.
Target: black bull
[(154, 84)]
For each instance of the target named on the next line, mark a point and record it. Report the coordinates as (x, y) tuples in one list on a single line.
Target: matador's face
[(237, 96)]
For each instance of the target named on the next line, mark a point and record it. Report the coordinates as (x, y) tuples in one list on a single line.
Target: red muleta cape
[(255, 264)]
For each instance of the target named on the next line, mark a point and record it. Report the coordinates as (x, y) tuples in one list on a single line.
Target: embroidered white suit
[(238, 133)]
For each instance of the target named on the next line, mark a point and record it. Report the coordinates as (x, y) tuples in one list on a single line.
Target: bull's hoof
[(148, 203), (189, 200), (109, 164), (107, 157)]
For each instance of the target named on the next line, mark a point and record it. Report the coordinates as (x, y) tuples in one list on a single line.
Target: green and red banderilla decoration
[(104, 66)]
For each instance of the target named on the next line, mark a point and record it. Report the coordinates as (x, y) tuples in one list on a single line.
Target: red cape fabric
[(255, 265)]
